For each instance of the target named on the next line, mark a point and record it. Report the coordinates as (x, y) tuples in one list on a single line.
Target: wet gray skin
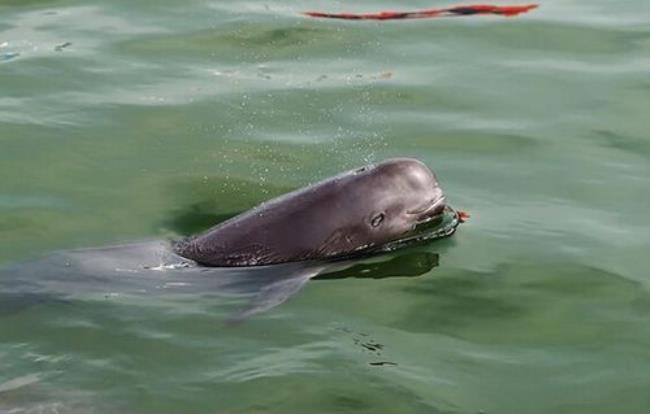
[(350, 213)]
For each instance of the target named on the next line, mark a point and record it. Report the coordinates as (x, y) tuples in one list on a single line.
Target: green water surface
[(129, 120)]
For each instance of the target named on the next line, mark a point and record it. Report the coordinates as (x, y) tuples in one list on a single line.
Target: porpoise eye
[(377, 220), (360, 170)]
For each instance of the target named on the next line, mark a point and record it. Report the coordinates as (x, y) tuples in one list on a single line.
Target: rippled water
[(132, 120)]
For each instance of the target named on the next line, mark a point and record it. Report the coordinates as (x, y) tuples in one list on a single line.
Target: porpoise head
[(397, 196), (365, 210)]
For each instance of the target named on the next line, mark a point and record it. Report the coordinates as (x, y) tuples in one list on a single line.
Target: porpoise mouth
[(435, 220), (430, 211)]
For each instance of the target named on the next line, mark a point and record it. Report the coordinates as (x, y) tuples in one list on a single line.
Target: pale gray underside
[(151, 268)]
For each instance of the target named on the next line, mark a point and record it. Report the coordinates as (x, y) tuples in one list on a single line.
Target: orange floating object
[(476, 9)]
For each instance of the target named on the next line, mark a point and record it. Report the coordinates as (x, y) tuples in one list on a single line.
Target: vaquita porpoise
[(265, 254)]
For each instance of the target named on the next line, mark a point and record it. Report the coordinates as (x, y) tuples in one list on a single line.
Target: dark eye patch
[(377, 220)]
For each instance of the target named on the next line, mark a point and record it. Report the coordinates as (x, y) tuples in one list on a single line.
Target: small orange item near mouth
[(463, 216)]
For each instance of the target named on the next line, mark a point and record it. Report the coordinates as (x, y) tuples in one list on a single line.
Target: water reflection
[(408, 264)]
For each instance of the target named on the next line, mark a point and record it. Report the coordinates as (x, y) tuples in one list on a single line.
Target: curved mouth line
[(425, 231), (432, 209)]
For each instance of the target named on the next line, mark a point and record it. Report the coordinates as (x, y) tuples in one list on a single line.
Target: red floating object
[(463, 216), (476, 9)]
